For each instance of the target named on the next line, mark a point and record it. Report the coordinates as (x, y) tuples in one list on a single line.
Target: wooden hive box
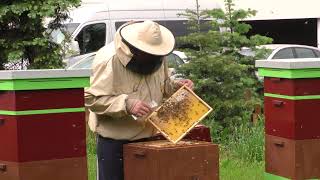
[(179, 114), (293, 119), (42, 137), (292, 97), (292, 87), (293, 159), (56, 169), (163, 160)]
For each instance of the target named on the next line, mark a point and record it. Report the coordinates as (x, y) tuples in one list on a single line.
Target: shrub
[(24, 38)]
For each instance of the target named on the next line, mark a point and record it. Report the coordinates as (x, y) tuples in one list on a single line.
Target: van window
[(119, 24), (91, 38), (71, 27), (305, 53), (174, 61), (286, 53), (178, 28)]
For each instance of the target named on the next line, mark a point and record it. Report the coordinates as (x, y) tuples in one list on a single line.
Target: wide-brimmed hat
[(150, 37)]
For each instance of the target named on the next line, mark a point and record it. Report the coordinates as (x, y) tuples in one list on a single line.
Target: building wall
[(92, 1), (267, 9), (286, 21), (280, 9)]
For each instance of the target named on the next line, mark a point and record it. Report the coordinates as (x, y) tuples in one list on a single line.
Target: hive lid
[(44, 79), (301, 63), (44, 73), (167, 144), (179, 114)]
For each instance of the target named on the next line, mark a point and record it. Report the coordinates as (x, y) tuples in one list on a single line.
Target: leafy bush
[(223, 76), (23, 36)]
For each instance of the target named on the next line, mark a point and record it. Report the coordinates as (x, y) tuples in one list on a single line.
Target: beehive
[(292, 102), (179, 114), (42, 125)]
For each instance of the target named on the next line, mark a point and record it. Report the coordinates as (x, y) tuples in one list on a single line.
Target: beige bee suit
[(114, 88)]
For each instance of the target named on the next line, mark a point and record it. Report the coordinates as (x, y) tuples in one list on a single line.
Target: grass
[(237, 169), (91, 155), (92, 165), (241, 154), (246, 142)]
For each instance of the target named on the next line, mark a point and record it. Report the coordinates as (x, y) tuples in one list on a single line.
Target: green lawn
[(91, 155), (92, 165), (233, 169)]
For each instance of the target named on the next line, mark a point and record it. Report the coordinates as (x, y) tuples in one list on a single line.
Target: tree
[(197, 21), (222, 75), (23, 35)]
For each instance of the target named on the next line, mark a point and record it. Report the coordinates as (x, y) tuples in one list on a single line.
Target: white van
[(93, 26)]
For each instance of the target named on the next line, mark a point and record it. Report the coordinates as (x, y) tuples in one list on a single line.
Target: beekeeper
[(130, 76)]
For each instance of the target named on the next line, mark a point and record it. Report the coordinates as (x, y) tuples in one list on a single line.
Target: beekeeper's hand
[(186, 82), (137, 108)]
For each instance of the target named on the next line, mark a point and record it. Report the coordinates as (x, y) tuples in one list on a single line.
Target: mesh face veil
[(143, 62)]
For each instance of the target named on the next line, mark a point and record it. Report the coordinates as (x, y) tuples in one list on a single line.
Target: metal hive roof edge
[(302, 63), (43, 73)]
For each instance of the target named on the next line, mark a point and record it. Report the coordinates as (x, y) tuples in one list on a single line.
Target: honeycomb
[(179, 114)]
